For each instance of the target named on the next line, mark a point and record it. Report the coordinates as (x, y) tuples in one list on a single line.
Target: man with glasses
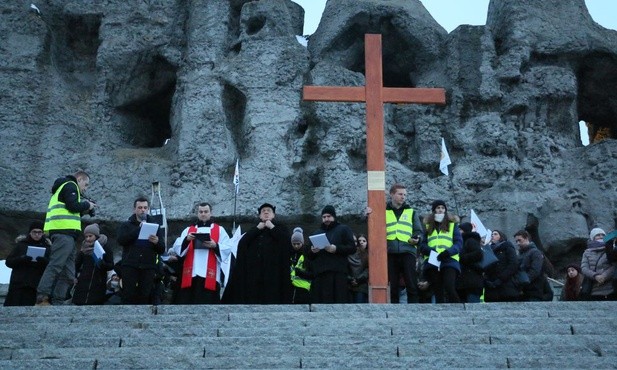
[(27, 261)]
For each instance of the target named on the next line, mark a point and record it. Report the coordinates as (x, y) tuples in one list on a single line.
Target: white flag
[(444, 162), (479, 226), (237, 177)]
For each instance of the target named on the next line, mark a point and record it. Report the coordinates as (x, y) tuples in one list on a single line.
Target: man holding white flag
[(444, 162)]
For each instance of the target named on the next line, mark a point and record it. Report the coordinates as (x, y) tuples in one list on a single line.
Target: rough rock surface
[(101, 86)]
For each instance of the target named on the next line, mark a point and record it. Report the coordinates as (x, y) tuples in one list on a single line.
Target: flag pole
[(236, 188), (454, 197)]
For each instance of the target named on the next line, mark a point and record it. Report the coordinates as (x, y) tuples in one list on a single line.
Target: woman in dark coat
[(470, 282), (91, 286), (26, 271), (499, 279)]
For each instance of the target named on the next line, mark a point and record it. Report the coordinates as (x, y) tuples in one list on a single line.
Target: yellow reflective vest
[(297, 281), (440, 241), (401, 229), (58, 216)]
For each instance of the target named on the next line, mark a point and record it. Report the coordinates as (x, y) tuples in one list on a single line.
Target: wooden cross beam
[(374, 94)]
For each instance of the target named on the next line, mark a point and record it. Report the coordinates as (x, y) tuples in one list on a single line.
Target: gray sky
[(452, 13)]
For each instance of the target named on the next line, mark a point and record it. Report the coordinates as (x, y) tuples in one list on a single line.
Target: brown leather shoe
[(42, 301)]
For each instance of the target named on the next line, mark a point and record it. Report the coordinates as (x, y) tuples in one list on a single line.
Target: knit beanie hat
[(575, 266), (36, 225), (329, 210), (438, 202), (297, 236), (466, 227), (92, 229), (594, 232)]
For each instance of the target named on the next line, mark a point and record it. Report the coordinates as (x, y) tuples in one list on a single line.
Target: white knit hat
[(595, 232)]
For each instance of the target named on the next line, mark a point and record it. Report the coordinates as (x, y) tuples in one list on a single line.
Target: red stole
[(187, 267)]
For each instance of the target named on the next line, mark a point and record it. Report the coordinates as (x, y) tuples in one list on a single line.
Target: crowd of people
[(434, 259)]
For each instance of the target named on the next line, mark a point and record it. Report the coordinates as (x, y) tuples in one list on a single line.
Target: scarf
[(187, 267)]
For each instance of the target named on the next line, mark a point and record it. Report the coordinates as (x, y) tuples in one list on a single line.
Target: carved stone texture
[(102, 86)]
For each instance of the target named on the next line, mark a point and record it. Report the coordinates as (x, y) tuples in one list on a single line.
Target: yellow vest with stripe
[(58, 216), (297, 281), (440, 241), (401, 229)]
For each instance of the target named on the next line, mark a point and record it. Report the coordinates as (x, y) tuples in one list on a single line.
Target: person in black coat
[(91, 286), (27, 271), (261, 274), (470, 282), (330, 263), (499, 278), (139, 256)]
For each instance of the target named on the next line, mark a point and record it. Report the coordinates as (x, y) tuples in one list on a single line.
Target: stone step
[(542, 334), (449, 360), (310, 349)]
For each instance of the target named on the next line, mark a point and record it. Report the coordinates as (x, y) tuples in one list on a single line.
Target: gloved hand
[(27, 258), (443, 256), (42, 259)]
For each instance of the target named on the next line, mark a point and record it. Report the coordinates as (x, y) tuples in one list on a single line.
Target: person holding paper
[(330, 264), (93, 261), (261, 274), (139, 256), (201, 248), (440, 247), (26, 270), (63, 225)]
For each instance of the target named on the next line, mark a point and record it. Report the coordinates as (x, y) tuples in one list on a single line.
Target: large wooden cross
[(375, 95)]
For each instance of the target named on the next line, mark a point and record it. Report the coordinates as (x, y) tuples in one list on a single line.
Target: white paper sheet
[(146, 230), (432, 259), (319, 241), (35, 252), (98, 250)]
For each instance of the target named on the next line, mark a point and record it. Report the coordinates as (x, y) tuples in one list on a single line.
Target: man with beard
[(201, 247), (330, 263), (261, 274)]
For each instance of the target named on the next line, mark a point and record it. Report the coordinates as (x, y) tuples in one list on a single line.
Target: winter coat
[(471, 276), (532, 261), (457, 243), (499, 277), (141, 254), (92, 277), (26, 273), (324, 261), (593, 263), (261, 274), (358, 271)]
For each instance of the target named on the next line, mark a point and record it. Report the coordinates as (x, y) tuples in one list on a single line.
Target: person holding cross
[(403, 233)]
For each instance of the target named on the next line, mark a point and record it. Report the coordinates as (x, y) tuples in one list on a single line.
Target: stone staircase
[(515, 335)]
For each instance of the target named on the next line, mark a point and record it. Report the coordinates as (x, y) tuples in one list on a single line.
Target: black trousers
[(330, 287), (444, 284), (403, 264), (197, 293), (137, 285)]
